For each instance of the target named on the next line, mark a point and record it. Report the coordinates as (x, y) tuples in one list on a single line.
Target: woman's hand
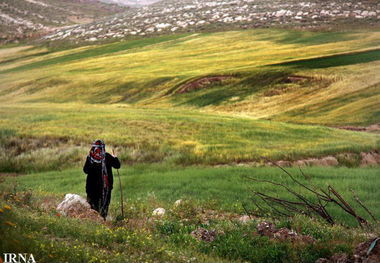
[(113, 153)]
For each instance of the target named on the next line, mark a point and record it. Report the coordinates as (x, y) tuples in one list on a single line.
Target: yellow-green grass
[(81, 77), (188, 137), (127, 94), (149, 72)]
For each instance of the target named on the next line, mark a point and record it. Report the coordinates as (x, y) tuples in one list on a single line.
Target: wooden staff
[(121, 189)]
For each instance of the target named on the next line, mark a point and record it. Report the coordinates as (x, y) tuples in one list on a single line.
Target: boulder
[(71, 203), (76, 206)]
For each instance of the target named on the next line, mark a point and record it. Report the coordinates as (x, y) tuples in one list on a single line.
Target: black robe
[(94, 183)]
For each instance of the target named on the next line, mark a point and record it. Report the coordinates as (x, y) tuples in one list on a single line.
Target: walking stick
[(121, 190)]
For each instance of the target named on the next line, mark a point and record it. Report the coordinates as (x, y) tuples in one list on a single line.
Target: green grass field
[(183, 113), (33, 224), (225, 185)]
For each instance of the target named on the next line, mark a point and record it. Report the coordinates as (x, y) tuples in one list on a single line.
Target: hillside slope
[(261, 74), (166, 17), (238, 96), (25, 19)]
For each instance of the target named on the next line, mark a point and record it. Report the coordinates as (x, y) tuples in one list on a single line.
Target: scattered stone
[(191, 15), (159, 212)]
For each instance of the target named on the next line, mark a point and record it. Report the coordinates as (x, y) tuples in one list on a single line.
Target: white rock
[(163, 25), (365, 13), (178, 202), (159, 212), (244, 219), (72, 201), (373, 13), (281, 13)]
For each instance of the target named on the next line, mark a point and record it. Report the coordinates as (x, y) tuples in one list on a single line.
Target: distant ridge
[(133, 3), (173, 16)]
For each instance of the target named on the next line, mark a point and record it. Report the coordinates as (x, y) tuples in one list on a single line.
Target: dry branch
[(302, 204)]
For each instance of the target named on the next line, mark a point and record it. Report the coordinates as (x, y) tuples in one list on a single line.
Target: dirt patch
[(370, 159), (10, 174), (204, 234), (363, 159), (371, 128), (296, 78), (324, 161), (202, 83), (268, 229), (366, 252)]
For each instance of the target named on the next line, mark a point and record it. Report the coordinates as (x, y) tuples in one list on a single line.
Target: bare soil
[(371, 128), (201, 83)]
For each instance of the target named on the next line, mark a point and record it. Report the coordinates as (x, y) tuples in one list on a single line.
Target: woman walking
[(99, 183)]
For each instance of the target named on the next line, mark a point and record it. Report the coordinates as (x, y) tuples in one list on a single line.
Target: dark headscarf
[(98, 155)]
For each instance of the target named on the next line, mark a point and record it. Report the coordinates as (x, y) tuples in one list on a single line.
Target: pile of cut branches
[(307, 199)]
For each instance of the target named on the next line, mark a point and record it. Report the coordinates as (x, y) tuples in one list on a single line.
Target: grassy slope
[(149, 71), (201, 126), (160, 134)]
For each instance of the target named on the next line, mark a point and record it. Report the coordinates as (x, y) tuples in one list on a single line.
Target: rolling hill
[(238, 96)]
